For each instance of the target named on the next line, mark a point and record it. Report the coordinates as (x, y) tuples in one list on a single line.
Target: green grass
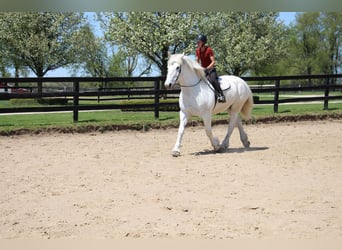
[(116, 117), (286, 95), (295, 109)]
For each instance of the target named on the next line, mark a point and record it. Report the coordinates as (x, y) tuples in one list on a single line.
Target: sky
[(286, 17)]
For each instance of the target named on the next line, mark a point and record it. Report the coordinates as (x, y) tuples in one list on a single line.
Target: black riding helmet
[(202, 38)]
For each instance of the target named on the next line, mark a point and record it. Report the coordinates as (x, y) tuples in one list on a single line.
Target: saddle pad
[(224, 84)]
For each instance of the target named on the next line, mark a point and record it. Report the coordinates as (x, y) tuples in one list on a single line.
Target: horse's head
[(178, 66), (174, 70)]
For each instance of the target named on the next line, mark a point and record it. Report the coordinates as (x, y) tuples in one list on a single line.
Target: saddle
[(219, 96)]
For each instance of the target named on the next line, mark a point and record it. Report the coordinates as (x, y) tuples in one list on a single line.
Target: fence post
[(326, 94), (156, 98), (98, 94), (76, 90), (276, 96)]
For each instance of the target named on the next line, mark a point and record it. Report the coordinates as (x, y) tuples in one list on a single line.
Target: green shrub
[(23, 102), (37, 101), (52, 101), (173, 105), (256, 98)]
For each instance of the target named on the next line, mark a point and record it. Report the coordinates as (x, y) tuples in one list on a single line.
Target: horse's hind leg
[(231, 126), (243, 135), (235, 120), (183, 121)]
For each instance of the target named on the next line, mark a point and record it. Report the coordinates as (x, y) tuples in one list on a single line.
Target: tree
[(332, 41), (244, 41), (4, 61), (10, 61), (153, 34), (96, 60), (127, 62), (42, 41), (287, 64), (314, 44), (308, 42), (103, 61), (133, 62)]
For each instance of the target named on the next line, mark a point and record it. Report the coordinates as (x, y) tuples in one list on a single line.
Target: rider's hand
[(206, 71)]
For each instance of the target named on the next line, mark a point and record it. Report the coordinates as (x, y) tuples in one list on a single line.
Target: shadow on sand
[(229, 151)]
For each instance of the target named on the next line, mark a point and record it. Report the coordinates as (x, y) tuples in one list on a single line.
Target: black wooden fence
[(324, 83), (299, 83)]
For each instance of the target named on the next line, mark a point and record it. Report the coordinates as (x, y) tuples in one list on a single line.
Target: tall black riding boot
[(213, 78)]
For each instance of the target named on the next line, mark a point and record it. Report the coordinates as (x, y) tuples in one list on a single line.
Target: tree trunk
[(40, 84), (165, 57), (309, 71), (16, 75)]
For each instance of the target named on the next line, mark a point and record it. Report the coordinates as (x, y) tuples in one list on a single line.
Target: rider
[(205, 56)]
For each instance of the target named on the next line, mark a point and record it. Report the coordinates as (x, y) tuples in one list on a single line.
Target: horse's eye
[(177, 68)]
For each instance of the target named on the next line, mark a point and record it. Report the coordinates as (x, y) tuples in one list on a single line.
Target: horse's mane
[(181, 58)]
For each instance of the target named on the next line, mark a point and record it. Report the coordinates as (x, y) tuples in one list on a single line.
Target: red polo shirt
[(205, 56)]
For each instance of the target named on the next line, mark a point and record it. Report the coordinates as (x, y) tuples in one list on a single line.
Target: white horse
[(197, 97)]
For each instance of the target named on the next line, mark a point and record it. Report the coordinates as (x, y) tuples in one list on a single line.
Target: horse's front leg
[(183, 119), (214, 141)]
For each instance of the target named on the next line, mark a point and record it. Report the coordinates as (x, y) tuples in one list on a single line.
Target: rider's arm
[(212, 64)]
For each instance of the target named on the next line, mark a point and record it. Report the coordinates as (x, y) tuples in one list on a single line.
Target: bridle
[(185, 86)]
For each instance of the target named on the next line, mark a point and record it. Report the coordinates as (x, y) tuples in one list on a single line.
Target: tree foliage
[(241, 41), (307, 43), (96, 62), (102, 61), (42, 41), (314, 45), (332, 41), (244, 41), (153, 34)]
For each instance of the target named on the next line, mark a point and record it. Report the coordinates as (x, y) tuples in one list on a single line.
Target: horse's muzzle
[(168, 85)]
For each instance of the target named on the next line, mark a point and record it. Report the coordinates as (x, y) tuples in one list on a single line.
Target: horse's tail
[(247, 107)]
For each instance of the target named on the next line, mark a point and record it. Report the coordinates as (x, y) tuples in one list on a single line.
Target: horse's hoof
[(246, 144), (175, 153)]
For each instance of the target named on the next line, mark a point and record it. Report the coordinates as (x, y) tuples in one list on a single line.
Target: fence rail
[(154, 91)]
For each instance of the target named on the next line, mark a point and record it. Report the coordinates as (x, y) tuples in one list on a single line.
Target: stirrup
[(221, 98)]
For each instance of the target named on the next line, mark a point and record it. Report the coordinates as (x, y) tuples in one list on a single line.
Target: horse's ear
[(183, 55)]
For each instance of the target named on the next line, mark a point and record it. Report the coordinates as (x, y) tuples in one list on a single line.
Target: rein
[(185, 86), (212, 88), (209, 85)]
